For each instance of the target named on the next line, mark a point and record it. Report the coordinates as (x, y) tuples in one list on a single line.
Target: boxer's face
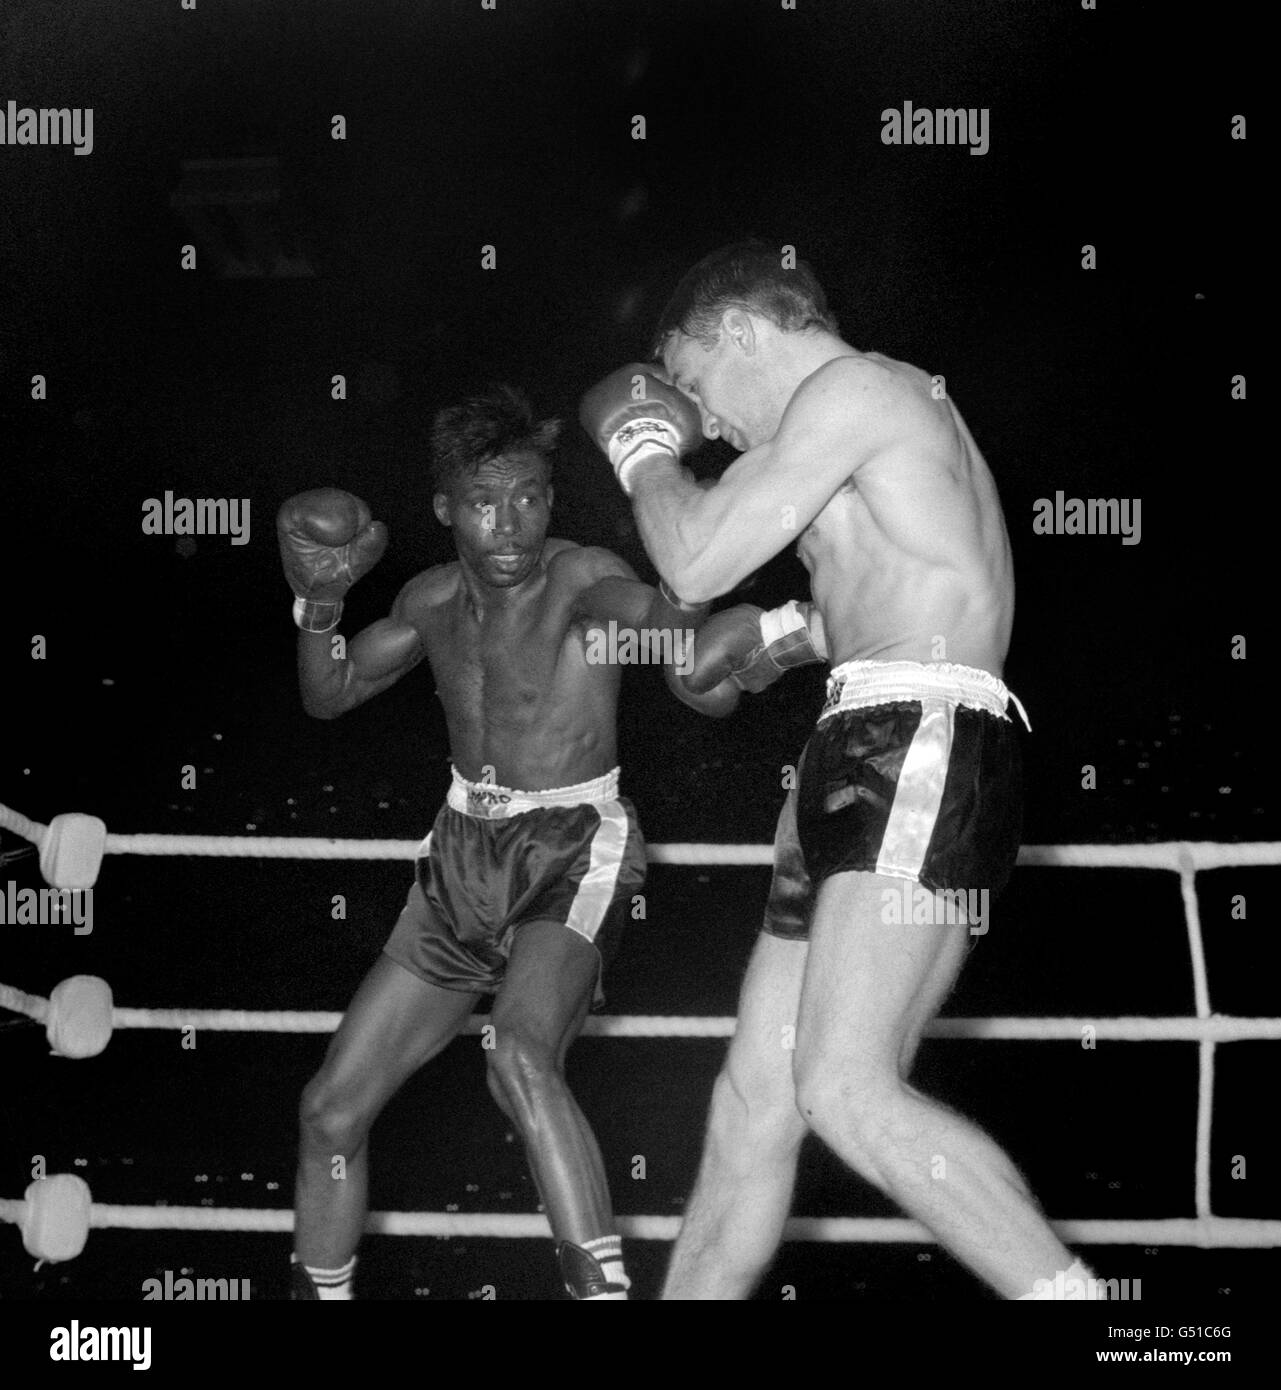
[(727, 383), (499, 518)]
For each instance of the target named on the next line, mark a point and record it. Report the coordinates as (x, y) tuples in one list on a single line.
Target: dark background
[(512, 127)]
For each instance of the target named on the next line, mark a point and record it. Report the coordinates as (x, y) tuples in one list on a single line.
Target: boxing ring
[(1205, 1028)]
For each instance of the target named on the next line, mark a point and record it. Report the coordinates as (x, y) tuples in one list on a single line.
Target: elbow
[(689, 577), (690, 591), (719, 703), (331, 697), (695, 582), (677, 572)]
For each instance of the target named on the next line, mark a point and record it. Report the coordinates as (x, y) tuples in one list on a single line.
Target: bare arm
[(615, 593), (375, 659), (612, 591), (704, 542)]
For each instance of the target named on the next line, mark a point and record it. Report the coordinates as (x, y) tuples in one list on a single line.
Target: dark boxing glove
[(327, 542), (753, 647)]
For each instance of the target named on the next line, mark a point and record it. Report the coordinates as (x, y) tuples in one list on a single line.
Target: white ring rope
[(1213, 1233), (1186, 858), (1177, 855), (1219, 1028)]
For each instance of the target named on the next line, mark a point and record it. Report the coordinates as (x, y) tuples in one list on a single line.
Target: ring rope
[(1216, 1232), (1186, 858), (1176, 855), (1217, 1028)]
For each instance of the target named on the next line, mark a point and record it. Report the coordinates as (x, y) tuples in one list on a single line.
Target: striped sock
[(609, 1251), (331, 1284)]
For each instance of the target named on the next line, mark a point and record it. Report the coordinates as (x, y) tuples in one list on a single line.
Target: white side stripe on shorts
[(596, 891), (919, 793)]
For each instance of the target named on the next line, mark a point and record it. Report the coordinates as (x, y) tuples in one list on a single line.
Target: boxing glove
[(636, 417), (327, 542), (753, 647)]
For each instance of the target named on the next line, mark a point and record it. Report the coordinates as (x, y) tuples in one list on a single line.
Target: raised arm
[(704, 541), (375, 659), (328, 542)]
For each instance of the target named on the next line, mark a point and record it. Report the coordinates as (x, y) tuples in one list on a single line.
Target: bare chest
[(843, 543), (504, 665)]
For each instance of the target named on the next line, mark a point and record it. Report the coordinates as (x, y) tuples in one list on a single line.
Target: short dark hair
[(746, 275), (499, 420)]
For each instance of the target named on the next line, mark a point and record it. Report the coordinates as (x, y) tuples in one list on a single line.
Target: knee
[(851, 1112), (520, 1070), (330, 1120)]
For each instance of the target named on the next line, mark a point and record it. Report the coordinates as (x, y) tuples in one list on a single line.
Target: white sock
[(1068, 1285), (333, 1284), (609, 1251)]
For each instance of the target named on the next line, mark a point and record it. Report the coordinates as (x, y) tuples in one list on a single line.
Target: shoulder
[(875, 398), (433, 586), (860, 384), (556, 546), (580, 565)]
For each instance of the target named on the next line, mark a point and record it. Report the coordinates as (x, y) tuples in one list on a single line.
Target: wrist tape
[(786, 631), (638, 440), (311, 615)]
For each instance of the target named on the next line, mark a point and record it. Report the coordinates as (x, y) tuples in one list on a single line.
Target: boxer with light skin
[(912, 772), (523, 885)]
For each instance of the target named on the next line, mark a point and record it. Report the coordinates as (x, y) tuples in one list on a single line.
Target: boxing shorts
[(497, 858), (913, 771)]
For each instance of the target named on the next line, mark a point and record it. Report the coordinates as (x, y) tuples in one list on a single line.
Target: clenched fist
[(327, 542)]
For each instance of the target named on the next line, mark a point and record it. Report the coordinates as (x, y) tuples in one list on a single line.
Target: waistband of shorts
[(862, 684), (487, 801)]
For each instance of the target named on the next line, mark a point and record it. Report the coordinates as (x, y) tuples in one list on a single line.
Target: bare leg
[(538, 1012), (870, 989), (395, 1023), (735, 1217)]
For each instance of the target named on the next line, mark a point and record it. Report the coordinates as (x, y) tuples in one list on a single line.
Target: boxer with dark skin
[(528, 874)]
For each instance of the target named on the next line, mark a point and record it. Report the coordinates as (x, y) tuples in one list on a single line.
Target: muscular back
[(910, 560), (524, 706)]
